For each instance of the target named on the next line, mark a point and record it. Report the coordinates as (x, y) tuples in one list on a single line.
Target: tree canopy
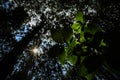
[(59, 40)]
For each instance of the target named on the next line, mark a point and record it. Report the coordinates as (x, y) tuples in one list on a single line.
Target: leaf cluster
[(83, 43)]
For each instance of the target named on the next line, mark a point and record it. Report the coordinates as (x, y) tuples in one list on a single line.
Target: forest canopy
[(59, 40)]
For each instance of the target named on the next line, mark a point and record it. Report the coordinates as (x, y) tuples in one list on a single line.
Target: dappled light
[(35, 51), (59, 40)]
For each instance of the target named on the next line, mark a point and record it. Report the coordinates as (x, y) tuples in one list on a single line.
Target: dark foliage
[(6, 65), (17, 17), (107, 17)]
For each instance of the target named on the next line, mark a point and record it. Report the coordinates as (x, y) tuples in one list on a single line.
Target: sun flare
[(35, 50)]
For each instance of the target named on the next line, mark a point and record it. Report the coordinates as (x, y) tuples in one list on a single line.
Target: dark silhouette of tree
[(101, 61), (6, 65)]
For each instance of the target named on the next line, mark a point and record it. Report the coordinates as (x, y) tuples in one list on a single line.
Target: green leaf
[(82, 58), (79, 17), (82, 70), (74, 42), (89, 76), (72, 59), (102, 43), (57, 35), (68, 33), (68, 50), (84, 48), (55, 51), (62, 58), (92, 28), (82, 38), (76, 27)]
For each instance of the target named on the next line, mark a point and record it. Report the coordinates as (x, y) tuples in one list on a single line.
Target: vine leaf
[(68, 33), (57, 36), (82, 38), (102, 43), (76, 27), (72, 59), (74, 42), (62, 58), (79, 17), (55, 51)]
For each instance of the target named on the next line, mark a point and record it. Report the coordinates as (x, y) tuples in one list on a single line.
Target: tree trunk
[(6, 65)]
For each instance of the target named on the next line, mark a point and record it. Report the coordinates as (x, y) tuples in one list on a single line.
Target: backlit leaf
[(76, 27), (102, 43), (79, 17), (74, 42), (82, 38), (72, 59)]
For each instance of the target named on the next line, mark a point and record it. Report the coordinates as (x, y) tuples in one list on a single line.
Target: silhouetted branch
[(6, 65)]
